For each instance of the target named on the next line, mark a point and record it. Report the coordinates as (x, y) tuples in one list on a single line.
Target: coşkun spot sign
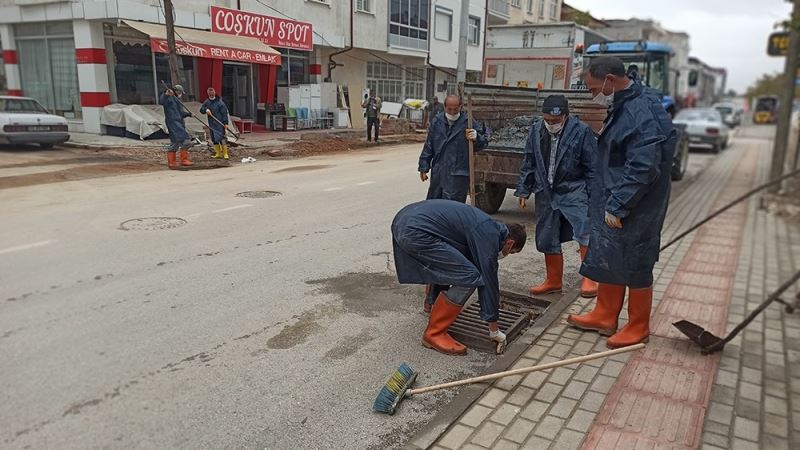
[(270, 30)]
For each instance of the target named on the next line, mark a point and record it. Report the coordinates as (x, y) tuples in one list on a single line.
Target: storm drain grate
[(516, 313), (258, 194), (152, 224)]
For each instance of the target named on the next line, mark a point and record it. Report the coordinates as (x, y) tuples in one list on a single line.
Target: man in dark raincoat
[(446, 155), (629, 202), (446, 152), (558, 168), (174, 115), (215, 108), (456, 246)]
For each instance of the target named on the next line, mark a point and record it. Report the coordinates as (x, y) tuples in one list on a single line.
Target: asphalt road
[(244, 322)]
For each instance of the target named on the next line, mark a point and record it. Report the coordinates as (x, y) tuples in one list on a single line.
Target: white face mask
[(212, 97), (452, 117), (603, 99), (554, 128)]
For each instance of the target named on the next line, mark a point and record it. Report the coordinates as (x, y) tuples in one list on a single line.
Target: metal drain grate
[(516, 313), (258, 194), (152, 224)]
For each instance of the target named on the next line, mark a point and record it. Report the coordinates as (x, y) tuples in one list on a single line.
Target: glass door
[(237, 89)]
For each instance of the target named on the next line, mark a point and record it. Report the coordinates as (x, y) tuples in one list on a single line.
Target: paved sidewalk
[(670, 396)]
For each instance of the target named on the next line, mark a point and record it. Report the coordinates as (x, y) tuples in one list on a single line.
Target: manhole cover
[(258, 194), (152, 224), (472, 331)]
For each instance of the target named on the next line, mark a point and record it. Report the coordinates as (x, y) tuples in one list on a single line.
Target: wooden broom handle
[(494, 376), (471, 153)]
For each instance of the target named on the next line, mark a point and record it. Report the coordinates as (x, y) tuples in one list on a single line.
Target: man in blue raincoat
[(446, 152), (215, 108), (558, 168), (456, 246), (446, 156), (629, 202), (174, 115)]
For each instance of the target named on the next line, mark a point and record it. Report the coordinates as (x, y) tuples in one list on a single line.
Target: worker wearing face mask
[(629, 202), (558, 169), (446, 156), (446, 152)]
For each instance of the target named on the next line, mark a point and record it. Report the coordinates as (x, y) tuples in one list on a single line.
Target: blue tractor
[(649, 63)]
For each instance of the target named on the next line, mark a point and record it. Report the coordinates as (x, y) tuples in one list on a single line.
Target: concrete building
[(77, 57), (533, 11), (548, 56)]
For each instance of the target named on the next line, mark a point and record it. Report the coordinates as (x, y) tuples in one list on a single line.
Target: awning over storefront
[(205, 44)]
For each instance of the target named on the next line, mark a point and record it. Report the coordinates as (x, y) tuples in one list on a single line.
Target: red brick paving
[(660, 398)]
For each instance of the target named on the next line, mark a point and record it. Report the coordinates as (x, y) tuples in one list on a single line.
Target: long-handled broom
[(398, 386)]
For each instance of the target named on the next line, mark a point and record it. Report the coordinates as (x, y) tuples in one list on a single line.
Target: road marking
[(231, 208), (332, 189), (365, 183), (27, 246)]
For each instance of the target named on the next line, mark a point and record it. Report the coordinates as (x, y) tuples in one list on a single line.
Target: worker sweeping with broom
[(448, 243), (558, 168), (215, 108), (174, 115)]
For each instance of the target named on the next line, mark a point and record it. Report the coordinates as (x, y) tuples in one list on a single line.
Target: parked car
[(731, 114), (705, 128), (23, 120)]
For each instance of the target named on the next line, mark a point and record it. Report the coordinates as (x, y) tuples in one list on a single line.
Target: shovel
[(710, 344)]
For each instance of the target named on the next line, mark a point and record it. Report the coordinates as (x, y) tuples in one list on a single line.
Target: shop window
[(133, 73), (48, 70), (394, 83), (293, 69), (186, 73)]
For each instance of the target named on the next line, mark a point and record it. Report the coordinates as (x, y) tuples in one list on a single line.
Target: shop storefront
[(48, 70), (243, 70), (77, 66)]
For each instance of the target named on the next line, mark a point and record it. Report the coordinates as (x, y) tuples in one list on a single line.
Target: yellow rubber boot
[(217, 151), (224, 150)]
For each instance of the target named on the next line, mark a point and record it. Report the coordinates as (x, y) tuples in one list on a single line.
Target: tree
[(731, 93), (768, 84), (169, 18)]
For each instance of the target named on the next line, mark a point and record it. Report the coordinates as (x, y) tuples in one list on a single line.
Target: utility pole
[(785, 118), (172, 57), (463, 37)]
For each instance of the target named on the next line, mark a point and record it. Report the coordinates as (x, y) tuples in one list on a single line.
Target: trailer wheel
[(489, 197), (681, 160)]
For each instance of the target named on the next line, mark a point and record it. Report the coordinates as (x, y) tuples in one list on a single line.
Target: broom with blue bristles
[(399, 384)]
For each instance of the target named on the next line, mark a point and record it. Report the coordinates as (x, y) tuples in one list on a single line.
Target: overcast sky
[(725, 33)]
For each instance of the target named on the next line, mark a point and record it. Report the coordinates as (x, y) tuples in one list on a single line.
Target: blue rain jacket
[(173, 117), (568, 198), (450, 243), (446, 155), (220, 111), (635, 152)]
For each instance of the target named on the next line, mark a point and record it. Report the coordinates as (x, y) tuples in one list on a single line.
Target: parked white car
[(705, 127), (23, 120)]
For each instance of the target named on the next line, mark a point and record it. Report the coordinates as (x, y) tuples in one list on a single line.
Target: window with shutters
[(443, 24)]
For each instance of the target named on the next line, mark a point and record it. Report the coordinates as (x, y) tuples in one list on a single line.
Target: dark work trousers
[(373, 122)]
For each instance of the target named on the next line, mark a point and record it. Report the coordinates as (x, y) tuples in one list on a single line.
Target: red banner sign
[(270, 30), (214, 52)]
